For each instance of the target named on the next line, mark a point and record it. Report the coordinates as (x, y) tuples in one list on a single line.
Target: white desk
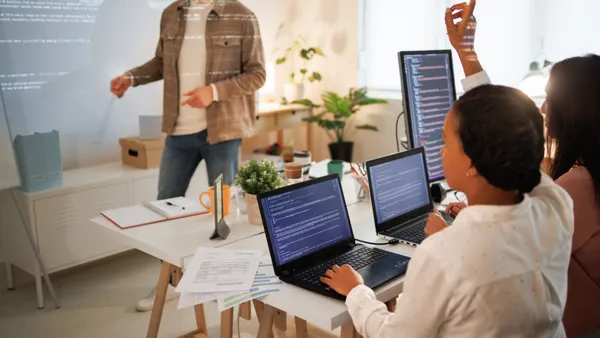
[(316, 309), (172, 242)]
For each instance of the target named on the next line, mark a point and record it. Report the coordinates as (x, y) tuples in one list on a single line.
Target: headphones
[(438, 193)]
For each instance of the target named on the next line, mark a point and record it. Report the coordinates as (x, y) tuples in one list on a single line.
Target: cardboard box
[(144, 154)]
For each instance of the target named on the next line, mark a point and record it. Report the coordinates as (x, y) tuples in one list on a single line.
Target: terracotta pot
[(252, 210)]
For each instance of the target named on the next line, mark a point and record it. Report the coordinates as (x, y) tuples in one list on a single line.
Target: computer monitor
[(399, 188), (429, 93), (304, 219)]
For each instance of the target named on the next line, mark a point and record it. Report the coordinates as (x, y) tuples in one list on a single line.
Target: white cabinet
[(60, 218)]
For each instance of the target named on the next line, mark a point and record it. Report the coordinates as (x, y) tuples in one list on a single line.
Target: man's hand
[(454, 208), (342, 279), (462, 32), (119, 85), (199, 98), (435, 223)]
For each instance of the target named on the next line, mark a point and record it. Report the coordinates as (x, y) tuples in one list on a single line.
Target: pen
[(173, 205)]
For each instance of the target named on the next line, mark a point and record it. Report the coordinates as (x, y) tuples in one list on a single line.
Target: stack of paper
[(230, 277)]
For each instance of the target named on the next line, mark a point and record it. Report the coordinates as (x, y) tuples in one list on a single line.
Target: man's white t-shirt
[(192, 68), (498, 271)]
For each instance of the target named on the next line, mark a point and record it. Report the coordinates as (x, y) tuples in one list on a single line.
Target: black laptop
[(400, 196), (308, 231)]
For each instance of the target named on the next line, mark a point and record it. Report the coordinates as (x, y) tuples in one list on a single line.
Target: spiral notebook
[(154, 212)]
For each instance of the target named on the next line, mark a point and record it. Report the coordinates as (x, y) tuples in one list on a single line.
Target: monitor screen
[(305, 220), (399, 186), (429, 94)]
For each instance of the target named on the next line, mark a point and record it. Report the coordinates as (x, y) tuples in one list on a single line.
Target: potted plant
[(336, 118), (255, 177), (294, 88)]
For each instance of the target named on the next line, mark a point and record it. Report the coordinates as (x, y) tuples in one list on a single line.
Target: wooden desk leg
[(348, 331), (176, 276), (281, 320), (301, 328), (246, 310), (267, 319), (159, 300), (391, 305), (200, 320), (259, 307), (227, 323)]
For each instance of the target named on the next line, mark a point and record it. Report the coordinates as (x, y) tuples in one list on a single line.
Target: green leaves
[(315, 77), (305, 102), (339, 110), (306, 54), (367, 127), (256, 177)]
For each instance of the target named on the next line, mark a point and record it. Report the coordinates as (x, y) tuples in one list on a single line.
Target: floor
[(98, 301)]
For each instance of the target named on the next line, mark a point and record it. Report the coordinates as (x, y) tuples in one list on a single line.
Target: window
[(506, 41)]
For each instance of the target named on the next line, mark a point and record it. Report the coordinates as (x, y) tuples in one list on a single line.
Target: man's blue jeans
[(182, 155)]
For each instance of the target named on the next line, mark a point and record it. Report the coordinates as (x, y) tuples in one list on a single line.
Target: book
[(154, 212)]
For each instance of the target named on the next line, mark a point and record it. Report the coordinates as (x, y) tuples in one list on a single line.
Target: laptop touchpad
[(371, 277)]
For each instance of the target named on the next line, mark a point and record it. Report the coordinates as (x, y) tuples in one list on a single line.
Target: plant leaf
[(367, 127), (311, 79), (281, 60), (306, 102), (304, 54), (331, 101), (319, 51), (303, 71), (368, 101), (317, 76)]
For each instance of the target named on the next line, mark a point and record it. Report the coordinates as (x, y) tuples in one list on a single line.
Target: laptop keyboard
[(358, 258), (415, 233)]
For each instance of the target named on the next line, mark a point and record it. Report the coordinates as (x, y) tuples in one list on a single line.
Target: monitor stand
[(222, 230)]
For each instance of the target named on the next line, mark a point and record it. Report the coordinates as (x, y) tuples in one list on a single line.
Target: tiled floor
[(98, 301)]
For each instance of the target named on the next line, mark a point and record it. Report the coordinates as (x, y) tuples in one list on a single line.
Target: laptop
[(308, 231), (400, 196)]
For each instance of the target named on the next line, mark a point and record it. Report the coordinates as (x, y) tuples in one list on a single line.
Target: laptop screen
[(305, 220), (399, 186)]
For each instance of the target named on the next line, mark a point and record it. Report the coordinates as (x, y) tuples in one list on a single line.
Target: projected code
[(306, 220), (399, 187), (430, 96)]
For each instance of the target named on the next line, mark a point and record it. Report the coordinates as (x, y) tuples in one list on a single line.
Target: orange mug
[(211, 194)]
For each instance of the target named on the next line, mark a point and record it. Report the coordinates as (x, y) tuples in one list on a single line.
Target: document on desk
[(220, 270), (265, 283)]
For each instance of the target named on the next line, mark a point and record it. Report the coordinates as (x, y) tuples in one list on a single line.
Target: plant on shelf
[(255, 177), (336, 117), (294, 88)]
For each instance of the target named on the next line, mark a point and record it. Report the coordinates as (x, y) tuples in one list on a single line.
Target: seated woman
[(501, 269), (572, 110)]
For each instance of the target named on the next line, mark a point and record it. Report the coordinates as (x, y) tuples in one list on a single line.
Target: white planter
[(252, 210), (293, 91)]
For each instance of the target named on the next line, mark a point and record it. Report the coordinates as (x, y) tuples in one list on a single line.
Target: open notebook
[(154, 212)]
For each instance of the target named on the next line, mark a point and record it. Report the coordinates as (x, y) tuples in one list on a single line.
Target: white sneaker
[(146, 303)]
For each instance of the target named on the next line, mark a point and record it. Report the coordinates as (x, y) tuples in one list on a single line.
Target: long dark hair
[(502, 132), (573, 117)]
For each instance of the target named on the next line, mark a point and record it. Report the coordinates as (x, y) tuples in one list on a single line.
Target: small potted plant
[(294, 88), (255, 177), (335, 117)]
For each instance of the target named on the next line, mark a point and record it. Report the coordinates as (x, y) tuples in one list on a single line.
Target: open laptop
[(400, 196), (308, 231)]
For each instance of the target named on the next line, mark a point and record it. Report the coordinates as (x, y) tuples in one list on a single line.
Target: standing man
[(210, 56)]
